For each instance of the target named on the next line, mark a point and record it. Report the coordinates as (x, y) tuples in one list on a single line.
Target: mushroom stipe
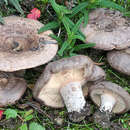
[(74, 100)]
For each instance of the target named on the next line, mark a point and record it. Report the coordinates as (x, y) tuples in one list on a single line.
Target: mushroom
[(21, 47), (108, 29), (62, 81), (120, 60), (110, 97), (11, 89)]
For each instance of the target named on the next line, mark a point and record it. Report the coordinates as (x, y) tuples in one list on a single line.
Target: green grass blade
[(71, 25), (77, 25), (78, 37), (16, 4), (127, 14), (83, 46), (55, 6), (110, 4), (58, 39), (59, 9), (66, 25), (72, 54), (86, 16), (69, 21), (51, 25), (63, 47), (78, 8)]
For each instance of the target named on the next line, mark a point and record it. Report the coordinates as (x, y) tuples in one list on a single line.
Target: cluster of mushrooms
[(65, 82)]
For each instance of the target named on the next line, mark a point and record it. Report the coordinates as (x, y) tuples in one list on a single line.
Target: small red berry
[(35, 14)]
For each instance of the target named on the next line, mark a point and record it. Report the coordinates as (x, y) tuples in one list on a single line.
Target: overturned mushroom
[(108, 29), (64, 79), (11, 89), (21, 46), (110, 97), (120, 60)]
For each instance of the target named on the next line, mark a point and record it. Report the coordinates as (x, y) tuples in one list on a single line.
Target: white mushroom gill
[(73, 97), (107, 103)]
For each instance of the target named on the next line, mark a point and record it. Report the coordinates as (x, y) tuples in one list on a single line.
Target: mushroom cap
[(98, 74), (120, 60), (58, 74), (108, 29), (11, 89), (21, 47), (122, 97)]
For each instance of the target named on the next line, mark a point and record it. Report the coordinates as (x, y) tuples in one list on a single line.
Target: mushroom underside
[(120, 103), (50, 93), (110, 97)]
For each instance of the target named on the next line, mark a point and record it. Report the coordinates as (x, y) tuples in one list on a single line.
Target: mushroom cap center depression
[(50, 93), (14, 38)]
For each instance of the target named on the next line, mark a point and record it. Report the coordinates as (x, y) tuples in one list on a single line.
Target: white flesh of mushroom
[(73, 97), (107, 103), (50, 93)]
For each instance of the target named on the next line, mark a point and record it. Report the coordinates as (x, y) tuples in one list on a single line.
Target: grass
[(70, 40)]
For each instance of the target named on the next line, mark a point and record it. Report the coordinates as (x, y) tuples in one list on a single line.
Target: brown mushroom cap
[(11, 89), (122, 97), (108, 29), (21, 46), (57, 74), (120, 60), (98, 74)]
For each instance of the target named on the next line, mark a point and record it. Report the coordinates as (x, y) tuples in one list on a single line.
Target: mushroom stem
[(107, 103), (73, 96), (74, 100)]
